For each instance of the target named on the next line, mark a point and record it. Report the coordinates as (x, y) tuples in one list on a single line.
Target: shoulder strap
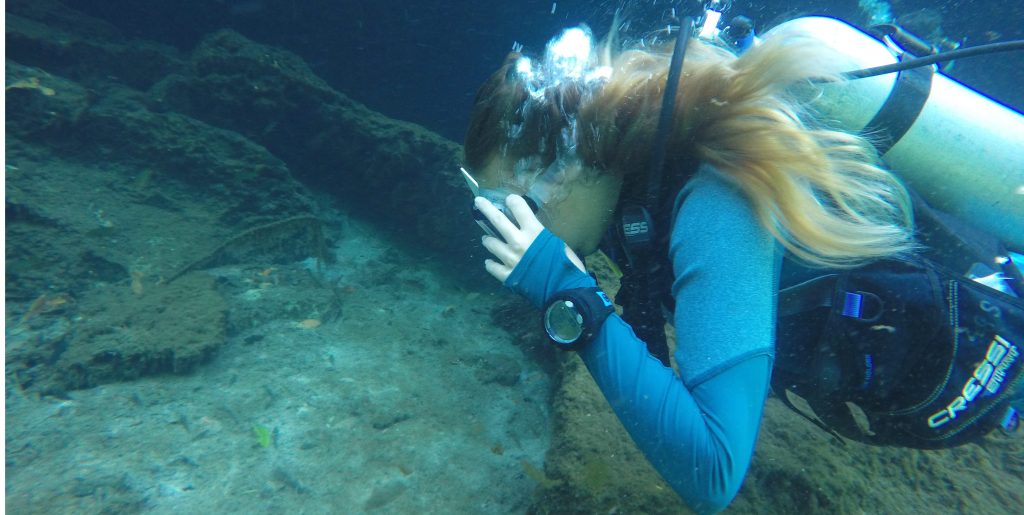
[(642, 238)]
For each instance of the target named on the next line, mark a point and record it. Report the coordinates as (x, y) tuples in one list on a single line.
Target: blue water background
[(422, 61)]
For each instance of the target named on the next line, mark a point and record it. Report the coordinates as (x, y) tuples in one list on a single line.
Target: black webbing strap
[(665, 117), (643, 273), (901, 109), (808, 295)]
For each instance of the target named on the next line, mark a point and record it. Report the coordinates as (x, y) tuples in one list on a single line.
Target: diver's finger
[(497, 270), (498, 219), (501, 251), (525, 217)]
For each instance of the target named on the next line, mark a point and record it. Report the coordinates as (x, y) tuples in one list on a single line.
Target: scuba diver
[(757, 227)]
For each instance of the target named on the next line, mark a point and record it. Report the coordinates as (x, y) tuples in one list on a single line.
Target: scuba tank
[(962, 151)]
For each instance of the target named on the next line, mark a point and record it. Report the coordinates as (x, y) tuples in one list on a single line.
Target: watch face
[(563, 322)]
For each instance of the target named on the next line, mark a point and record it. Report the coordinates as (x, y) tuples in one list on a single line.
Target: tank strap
[(901, 109), (812, 294)]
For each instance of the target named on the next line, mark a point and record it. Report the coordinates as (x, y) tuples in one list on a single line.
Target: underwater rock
[(400, 173), (241, 180), (118, 178), (66, 42), (239, 122), (117, 335), (105, 196), (384, 420), (73, 141), (83, 163), (588, 441), (41, 103), (497, 369), (384, 494)]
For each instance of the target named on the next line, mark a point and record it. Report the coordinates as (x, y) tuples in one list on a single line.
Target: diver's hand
[(517, 239)]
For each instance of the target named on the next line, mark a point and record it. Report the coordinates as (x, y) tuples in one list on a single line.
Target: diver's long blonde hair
[(817, 191)]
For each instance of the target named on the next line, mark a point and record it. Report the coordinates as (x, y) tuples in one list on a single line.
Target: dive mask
[(497, 197)]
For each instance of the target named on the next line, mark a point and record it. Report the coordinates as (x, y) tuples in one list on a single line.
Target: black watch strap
[(572, 317)]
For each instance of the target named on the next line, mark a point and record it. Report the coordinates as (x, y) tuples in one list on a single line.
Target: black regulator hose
[(668, 104), (1005, 46)]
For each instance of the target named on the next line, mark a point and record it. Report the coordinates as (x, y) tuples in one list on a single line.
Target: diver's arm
[(699, 435), (699, 432), (700, 439)]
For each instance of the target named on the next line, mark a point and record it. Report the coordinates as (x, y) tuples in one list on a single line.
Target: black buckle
[(637, 227)]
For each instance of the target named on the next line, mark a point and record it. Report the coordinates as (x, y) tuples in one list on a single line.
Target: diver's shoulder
[(709, 184)]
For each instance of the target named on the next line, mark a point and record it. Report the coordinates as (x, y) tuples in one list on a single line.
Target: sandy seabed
[(410, 401)]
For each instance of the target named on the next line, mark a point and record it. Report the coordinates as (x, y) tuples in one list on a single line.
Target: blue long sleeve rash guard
[(698, 430)]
